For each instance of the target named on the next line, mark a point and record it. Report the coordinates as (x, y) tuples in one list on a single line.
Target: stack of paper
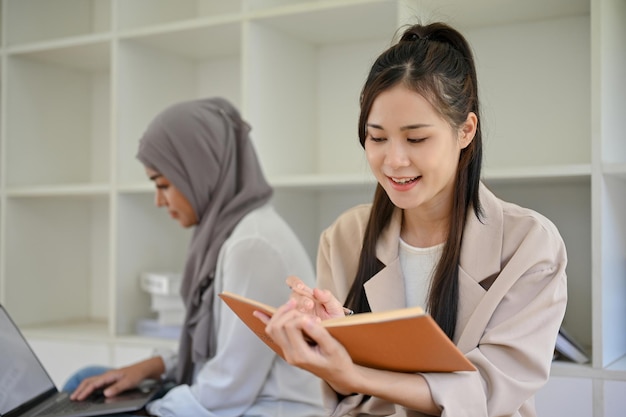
[(166, 302)]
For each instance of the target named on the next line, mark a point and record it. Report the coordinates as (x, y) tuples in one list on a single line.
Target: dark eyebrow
[(155, 176), (408, 127)]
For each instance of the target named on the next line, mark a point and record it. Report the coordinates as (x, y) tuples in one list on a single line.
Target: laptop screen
[(22, 377)]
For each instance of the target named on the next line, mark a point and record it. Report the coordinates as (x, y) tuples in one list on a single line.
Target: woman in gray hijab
[(199, 155)]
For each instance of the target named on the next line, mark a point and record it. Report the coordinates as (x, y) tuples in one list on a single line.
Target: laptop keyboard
[(68, 406)]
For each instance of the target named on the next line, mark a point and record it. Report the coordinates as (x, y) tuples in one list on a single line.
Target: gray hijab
[(203, 148)]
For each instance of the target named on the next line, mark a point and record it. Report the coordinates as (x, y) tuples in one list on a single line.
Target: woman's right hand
[(314, 301), (307, 344), (115, 381)]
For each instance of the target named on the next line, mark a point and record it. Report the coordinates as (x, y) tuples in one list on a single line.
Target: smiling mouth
[(403, 181)]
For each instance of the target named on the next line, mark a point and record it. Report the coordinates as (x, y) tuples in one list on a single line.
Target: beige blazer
[(513, 295)]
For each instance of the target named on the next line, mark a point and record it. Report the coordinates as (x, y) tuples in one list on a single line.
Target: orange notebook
[(403, 340)]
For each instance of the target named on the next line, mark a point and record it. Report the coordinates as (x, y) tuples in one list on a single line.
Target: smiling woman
[(492, 274), (414, 154)]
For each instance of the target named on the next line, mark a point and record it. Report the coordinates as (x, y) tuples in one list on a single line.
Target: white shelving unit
[(81, 79)]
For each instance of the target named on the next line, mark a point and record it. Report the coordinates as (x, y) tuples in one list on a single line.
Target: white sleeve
[(230, 382)]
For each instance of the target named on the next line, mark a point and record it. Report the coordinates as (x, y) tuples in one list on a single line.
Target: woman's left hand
[(308, 345)]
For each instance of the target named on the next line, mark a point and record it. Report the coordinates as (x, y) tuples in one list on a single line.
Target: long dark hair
[(435, 61)]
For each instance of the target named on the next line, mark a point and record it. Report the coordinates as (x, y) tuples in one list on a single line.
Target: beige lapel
[(480, 259), (482, 239), (385, 290)]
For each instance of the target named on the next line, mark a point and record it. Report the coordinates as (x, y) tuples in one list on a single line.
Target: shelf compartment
[(133, 14), (568, 206), (189, 41), (57, 262), (148, 240), (158, 70), (323, 57), (327, 62), (310, 212), (58, 116), (610, 253), (324, 23), (33, 20), (522, 126), (609, 99)]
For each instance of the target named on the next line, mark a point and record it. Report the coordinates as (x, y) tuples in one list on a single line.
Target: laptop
[(26, 389)]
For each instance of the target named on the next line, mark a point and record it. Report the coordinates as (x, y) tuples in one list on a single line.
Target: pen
[(301, 291)]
